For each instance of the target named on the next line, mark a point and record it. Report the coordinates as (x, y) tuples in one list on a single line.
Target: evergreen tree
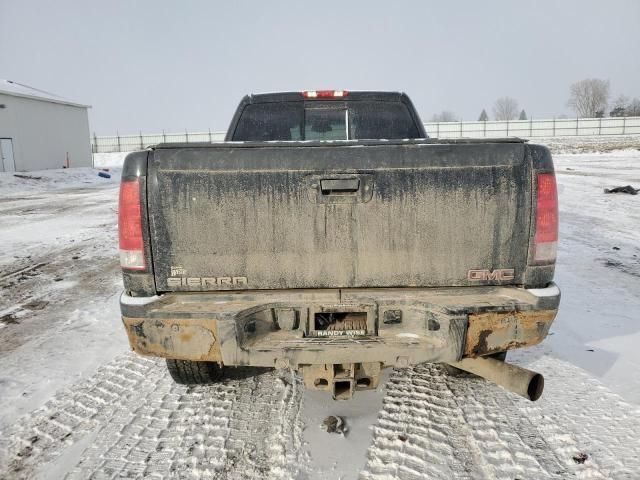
[(523, 115), (483, 116)]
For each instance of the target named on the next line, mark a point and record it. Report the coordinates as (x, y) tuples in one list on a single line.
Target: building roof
[(16, 89)]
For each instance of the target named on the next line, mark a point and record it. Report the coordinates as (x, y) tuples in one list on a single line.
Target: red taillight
[(130, 226), (325, 93), (546, 238)]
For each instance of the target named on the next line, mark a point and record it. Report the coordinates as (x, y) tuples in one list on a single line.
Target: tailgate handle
[(339, 186)]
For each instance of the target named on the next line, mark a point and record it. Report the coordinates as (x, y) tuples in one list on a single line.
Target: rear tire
[(188, 372), (456, 372)]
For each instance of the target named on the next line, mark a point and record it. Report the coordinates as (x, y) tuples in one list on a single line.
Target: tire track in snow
[(265, 440), (578, 414), (469, 428), (422, 432), (141, 424), (131, 421), (73, 413)]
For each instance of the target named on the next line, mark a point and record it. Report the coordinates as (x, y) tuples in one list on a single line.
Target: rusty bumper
[(404, 326), (498, 332), (186, 339)]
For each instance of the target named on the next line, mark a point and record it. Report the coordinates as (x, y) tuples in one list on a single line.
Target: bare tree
[(619, 106), (623, 106), (505, 108), (633, 110), (621, 101), (483, 116), (444, 116), (589, 97)]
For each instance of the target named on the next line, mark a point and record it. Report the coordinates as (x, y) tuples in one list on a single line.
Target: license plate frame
[(369, 309)]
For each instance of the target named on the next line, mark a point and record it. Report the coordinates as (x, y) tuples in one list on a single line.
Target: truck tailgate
[(261, 216)]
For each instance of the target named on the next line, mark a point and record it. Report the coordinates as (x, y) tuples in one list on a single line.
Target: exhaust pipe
[(516, 379)]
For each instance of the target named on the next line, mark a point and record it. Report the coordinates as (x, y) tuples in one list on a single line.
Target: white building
[(39, 130)]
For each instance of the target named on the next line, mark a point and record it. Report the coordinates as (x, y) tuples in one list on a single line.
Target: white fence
[(128, 143), (512, 128), (536, 128)]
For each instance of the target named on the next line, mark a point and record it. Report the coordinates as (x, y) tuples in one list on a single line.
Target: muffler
[(516, 379)]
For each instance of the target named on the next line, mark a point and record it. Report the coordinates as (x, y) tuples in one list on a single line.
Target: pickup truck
[(329, 235)]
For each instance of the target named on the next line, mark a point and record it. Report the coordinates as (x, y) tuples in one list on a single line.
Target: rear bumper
[(274, 328)]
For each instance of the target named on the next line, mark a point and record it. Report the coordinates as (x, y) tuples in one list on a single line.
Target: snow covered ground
[(77, 404)]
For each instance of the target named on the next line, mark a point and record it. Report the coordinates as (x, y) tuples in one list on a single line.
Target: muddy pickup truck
[(327, 234)]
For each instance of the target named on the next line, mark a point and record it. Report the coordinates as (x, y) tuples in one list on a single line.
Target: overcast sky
[(152, 65)]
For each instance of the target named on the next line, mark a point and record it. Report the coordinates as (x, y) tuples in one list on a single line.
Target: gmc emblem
[(497, 274)]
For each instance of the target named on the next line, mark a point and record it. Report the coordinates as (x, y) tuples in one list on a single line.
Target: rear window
[(354, 120)]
